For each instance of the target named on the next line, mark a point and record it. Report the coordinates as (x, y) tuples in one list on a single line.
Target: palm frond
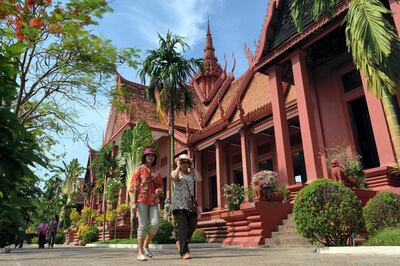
[(318, 8), (374, 45)]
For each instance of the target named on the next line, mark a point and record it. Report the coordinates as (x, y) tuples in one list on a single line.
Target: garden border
[(376, 250)]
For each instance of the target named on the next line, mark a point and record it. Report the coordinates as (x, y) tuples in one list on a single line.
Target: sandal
[(187, 256), (147, 252), (141, 258)]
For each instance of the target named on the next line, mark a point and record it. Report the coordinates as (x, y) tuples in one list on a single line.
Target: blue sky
[(136, 24)]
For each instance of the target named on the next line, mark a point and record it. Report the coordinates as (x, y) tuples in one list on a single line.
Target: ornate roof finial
[(208, 26), (209, 49)]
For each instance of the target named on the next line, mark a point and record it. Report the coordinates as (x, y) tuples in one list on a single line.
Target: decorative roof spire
[(209, 56)]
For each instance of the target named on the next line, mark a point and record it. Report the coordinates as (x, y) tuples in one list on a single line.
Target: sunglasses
[(185, 162)]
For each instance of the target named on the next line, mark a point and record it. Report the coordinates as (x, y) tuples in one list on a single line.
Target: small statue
[(167, 209)]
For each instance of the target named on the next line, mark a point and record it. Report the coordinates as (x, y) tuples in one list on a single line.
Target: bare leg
[(148, 239), (140, 246)]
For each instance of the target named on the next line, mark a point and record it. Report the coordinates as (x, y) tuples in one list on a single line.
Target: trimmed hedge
[(164, 233), (199, 236), (382, 211), (91, 235), (60, 237), (327, 212), (385, 237)]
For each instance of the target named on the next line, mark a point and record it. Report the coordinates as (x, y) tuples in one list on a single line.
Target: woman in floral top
[(146, 189), (184, 178)]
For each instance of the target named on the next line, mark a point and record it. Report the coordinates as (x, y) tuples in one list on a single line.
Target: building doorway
[(299, 167), (238, 176), (362, 130)]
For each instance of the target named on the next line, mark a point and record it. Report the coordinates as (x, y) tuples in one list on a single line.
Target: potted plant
[(346, 167), (264, 186), (285, 193), (123, 211), (235, 196)]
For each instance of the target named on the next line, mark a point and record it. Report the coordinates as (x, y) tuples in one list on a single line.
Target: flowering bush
[(234, 195), (81, 230), (266, 180), (75, 217), (123, 209)]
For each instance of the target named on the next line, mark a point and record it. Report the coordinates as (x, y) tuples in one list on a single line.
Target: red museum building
[(300, 96)]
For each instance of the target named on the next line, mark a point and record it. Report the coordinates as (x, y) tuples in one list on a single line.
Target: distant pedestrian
[(146, 189), (19, 240), (184, 206), (53, 231), (43, 228)]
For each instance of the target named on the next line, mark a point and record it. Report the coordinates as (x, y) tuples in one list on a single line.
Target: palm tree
[(169, 72), (374, 45), (71, 183), (105, 166)]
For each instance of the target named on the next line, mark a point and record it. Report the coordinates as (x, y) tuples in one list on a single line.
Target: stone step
[(284, 234), (289, 222), (283, 227), (286, 241)]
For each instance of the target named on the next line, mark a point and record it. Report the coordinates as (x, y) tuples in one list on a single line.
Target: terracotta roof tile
[(257, 93)]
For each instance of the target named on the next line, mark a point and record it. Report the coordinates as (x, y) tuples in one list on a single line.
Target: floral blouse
[(181, 199), (145, 182)]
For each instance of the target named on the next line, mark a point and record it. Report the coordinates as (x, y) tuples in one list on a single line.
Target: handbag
[(193, 208)]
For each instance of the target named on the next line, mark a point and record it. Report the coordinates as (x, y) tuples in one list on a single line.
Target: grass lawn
[(118, 241)]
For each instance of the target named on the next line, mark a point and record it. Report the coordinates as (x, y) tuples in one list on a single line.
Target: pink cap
[(149, 151)]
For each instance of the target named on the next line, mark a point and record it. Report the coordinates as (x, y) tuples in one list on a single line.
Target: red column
[(379, 127), (253, 155), (307, 122), (281, 130), (244, 146), (221, 173), (199, 185)]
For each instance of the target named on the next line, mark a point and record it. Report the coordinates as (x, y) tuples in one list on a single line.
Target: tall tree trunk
[(393, 121), (104, 209), (172, 140), (115, 228), (172, 154)]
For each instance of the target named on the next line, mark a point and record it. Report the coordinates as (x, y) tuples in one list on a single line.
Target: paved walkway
[(201, 256)]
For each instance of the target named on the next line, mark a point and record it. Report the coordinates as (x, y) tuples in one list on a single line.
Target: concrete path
[(62, 255)]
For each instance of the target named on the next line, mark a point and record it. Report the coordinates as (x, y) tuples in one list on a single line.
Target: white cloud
[(186, 18)]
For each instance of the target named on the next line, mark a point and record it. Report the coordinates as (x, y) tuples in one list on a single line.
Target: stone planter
[(364, 195)]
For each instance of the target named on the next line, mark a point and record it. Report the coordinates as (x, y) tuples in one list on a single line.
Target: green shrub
[(35, 240), (327, 212), (382, 211), (164, 233), (199, 236), (92, 235), (385, 237), (60, 237)]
